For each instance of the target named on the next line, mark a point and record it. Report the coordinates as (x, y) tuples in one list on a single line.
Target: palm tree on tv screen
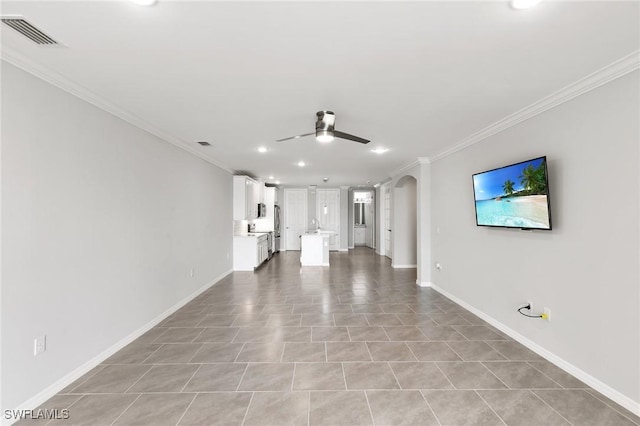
[(534, 180), (508, 187), (528, 178)]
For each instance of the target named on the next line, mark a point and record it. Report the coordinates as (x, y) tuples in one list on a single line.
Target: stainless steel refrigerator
[(276, 228)]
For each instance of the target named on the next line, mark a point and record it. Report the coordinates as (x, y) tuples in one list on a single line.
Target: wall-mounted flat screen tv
[(514, 196)]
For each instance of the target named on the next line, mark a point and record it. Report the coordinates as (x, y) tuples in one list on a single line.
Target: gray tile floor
[(354, 344)]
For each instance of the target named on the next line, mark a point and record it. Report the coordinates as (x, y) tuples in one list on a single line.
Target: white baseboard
[(74, 375), (596, 384), (343, 249), (403, 266), (352, 247), (424, 283)]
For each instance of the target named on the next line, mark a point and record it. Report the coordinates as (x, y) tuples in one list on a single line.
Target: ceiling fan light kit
[(325, 130)]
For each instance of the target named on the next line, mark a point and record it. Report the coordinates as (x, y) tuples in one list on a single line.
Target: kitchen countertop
[(252, 234)]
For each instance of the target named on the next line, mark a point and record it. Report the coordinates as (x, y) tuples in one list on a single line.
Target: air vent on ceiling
[(26, 29), (204, 143)]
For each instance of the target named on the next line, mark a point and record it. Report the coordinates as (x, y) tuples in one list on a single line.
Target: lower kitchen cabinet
[(249, 252)]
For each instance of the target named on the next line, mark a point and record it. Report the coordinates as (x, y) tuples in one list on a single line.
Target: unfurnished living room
[(320, 213)]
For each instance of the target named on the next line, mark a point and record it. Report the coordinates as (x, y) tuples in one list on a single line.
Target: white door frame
[(337, 191), (353, 215), (385, 249), (283, 213)]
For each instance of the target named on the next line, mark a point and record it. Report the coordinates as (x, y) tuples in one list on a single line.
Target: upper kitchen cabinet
[(247, 193)]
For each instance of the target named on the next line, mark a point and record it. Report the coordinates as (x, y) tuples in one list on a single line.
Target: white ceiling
[(414, 77)]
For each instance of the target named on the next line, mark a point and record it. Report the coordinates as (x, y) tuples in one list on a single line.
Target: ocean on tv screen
[(519, 212)]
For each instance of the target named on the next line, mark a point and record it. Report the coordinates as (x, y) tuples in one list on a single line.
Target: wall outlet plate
[(39, 345)]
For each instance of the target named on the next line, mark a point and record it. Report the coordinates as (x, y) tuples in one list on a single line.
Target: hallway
[(354, 344)]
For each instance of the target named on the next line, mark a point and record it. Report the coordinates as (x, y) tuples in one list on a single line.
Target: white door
[(387, 222), (328, 214), (295, 217)]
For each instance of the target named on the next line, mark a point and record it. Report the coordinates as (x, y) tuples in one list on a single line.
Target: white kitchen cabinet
[(247, 193), (249, 252)]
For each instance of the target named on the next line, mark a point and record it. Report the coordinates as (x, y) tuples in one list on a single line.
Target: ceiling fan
[(325, 131)]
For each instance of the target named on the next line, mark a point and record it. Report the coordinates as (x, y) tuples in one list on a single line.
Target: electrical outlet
[(191, 273), (39, 345), (438, 266), (547, 313)]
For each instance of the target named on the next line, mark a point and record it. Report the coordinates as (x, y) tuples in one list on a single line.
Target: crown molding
[(404, 168), (615, 70), (14, 58)]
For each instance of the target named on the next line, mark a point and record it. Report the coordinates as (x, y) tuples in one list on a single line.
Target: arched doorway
[(405, 229)]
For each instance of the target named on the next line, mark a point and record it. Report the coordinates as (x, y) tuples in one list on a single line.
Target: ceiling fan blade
[(295, 137), (343, 135)]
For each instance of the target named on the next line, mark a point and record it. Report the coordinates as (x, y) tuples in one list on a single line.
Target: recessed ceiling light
[(301, 164), (326, 179), (524, 4), (270, 177), (277, 182), (144, 2), (379, 150), (262, 149)]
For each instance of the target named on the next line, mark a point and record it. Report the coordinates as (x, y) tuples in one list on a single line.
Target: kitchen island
[(314, 248)]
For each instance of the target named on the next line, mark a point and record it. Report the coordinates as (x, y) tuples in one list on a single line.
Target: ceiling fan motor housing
[(325, 125)]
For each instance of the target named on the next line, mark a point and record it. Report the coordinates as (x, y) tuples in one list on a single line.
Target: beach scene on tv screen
[(514, 196)]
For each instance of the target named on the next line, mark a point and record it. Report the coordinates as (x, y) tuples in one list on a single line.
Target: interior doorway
[(328, 215), (405, 223), (295, 217), (387, 222), (364, 218)]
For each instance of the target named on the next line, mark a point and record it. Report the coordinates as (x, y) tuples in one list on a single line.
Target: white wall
[(586, 268), (101, 223)]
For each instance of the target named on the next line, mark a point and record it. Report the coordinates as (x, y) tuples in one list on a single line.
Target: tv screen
[(514, 196)]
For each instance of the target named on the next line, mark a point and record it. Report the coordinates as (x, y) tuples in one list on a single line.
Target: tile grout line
[(544, 374), (445, 376), (545, 403), (187, 409), (293, 376), (366, 397), (126, 409), (490, 407), (246, 367), (430, 409), (394, 376), (602, 398), (195, 353), (244, 419), (494, 374), (162, 345), (239, 352), (344, 376), (191, 378), (139, 378), (454, 351)]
